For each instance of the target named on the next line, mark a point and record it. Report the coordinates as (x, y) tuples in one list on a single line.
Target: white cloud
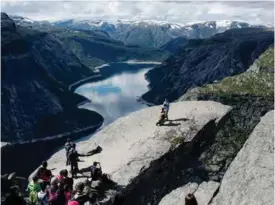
[(176, 12)]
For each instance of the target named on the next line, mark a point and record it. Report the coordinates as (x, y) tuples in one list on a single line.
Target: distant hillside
[(36, 72), (204, 61)]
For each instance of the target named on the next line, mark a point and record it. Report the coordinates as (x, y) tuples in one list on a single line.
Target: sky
[(254, 12)]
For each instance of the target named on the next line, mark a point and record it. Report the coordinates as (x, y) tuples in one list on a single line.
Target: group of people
[(47, 189), (164, 112)]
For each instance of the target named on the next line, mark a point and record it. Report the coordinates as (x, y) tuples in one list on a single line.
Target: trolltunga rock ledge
[(131, 143)]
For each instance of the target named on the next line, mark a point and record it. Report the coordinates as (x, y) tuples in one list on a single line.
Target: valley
[(103, 83)]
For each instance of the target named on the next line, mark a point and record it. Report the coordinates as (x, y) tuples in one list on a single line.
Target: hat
[(73, 203)]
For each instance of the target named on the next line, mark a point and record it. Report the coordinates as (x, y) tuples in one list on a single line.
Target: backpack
[(33, 197), (68, 146)]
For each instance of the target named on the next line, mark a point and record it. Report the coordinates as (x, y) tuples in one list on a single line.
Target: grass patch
[(260, 84), (175, 141), (266, 60)]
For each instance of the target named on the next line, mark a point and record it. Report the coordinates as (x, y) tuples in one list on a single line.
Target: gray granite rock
[(177, 196), (203, 193), (249, 179)]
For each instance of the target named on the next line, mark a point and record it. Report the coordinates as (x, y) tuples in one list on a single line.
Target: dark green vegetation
[(204, 61)]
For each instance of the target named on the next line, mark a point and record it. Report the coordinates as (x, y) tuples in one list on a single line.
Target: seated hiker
[(166, 106), (56, 192), (68, 146), (80, 196), (44, 173), (190, 200), (162, 117), (96, 171), (67, 180), (34, 188), (14, 197), (43, 195)]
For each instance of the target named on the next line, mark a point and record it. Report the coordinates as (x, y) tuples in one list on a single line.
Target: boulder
[(132, 143), (177, 196), (203, 193), (249, 179)]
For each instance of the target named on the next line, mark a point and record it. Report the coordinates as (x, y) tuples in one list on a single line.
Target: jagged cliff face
[(36, 72), (250, 178), (204, 61)]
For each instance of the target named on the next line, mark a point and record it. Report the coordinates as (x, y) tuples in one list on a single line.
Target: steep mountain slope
[(151, 33), (251, 94), (204, 61), (36, 72), (175, 44)]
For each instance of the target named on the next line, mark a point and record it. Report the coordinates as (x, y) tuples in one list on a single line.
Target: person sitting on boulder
[(68, 146), (166, 106), (44, 173), (162, 117), (190, 200)]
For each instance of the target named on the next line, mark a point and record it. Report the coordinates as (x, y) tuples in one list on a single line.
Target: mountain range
[(144, 33)]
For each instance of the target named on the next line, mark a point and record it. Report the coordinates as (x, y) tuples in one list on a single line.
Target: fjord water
[(117, 95)]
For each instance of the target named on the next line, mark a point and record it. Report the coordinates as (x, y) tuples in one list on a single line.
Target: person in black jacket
[(74, 158), (68, 146)]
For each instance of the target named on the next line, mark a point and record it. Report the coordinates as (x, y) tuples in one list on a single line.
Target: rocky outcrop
[(36, 70), (249, 179), (204, 61), (203, 193), (136, 152)]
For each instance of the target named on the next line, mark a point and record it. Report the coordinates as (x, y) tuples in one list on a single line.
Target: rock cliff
[(204, 61), (142, 157), (250, 178)]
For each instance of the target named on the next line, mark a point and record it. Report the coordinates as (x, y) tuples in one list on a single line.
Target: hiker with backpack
[(44, 173), (34, 188), (68, 146)]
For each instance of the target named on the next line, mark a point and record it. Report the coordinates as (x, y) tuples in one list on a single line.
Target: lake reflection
[(115, 96)]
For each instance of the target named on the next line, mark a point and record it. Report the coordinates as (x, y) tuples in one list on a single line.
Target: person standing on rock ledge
[(68, 146), (166, 106)]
